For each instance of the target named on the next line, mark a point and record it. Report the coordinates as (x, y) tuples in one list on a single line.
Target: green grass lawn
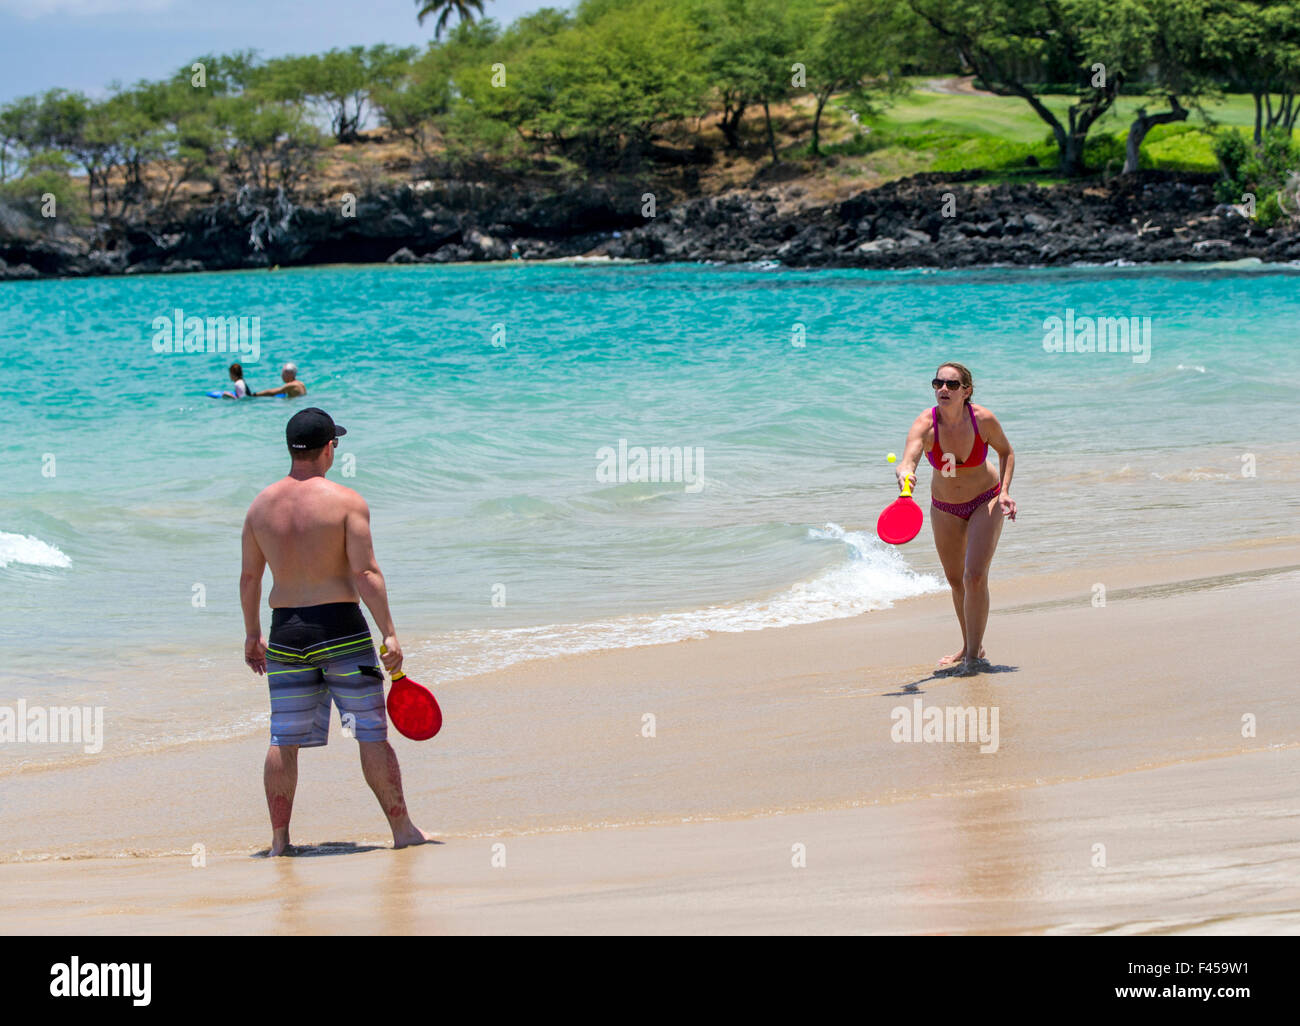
[(928, 131)]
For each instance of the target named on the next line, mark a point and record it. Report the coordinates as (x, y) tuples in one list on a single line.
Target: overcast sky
[(87, 44)]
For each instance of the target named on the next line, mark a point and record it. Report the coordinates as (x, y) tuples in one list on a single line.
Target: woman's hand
[(1008, 506), (900, 474)]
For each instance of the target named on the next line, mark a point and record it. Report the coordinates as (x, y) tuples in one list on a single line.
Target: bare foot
[(955, 659), (280, 847), (408, 835), (971, 667)]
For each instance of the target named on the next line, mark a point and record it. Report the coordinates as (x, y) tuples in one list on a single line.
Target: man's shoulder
[(344, 494), (265, 493), (260, 501)]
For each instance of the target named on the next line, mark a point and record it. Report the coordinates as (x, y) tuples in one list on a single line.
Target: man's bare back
[(301, 527), (315, 536)]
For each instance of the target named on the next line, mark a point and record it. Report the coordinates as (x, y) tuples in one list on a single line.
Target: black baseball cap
[(311, 428)]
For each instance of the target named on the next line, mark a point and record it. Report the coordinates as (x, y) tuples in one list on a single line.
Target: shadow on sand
[(327, 848), (914, 688)]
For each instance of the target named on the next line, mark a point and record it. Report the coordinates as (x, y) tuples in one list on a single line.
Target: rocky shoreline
[(930, 220)]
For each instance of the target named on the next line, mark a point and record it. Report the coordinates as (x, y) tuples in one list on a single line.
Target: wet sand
[(1119, 726), (1207, 848)]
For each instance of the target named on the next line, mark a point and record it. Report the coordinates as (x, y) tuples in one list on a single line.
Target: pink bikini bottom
[(965, 509)]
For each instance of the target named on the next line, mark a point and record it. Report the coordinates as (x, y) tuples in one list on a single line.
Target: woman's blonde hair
[(967, 379)]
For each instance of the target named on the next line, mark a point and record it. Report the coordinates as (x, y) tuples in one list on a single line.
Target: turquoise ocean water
[(478, 398)]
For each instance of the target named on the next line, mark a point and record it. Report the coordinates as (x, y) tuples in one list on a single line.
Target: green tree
[(1155, 46), (1014, 45), (481, 120), (781, 34), (856, 47), (341, 82), (271, 143), (751, 45), (186, 137), (605, 87), (17, 134), (222, 74), (69, 122), (46, 173), (412, 106), (729, 60), (1254, 46)]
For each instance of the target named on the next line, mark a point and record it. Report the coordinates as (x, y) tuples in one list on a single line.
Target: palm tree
[(465, 9)]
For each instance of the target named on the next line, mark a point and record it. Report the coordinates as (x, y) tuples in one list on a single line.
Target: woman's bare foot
[(408, 835), (971, 667), (956, 659), (280, 846)]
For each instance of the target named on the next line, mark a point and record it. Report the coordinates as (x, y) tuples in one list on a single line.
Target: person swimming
[(240, 389), (292, 387)]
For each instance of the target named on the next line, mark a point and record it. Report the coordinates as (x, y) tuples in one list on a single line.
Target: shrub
[(1258, 170)]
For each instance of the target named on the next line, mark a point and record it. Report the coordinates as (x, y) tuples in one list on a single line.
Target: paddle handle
[(906, 493), (396, 675)]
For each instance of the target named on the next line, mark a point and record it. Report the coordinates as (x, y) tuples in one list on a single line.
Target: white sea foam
[(1196, 474), (872, 577), (24, 548)]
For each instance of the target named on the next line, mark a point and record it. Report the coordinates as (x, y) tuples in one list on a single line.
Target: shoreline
[(1214, 565), (1288, 264), (1240, 263), (754, 676), (1142, 219), (763, 741)]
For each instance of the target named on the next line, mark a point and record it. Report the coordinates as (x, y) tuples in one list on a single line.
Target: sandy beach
[(1122, 795), (596, 384)]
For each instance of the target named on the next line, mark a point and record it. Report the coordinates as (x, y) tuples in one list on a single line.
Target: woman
[(968, 499), (241, 389)]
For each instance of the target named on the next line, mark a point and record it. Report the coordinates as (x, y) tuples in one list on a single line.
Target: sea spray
[(27, 549)]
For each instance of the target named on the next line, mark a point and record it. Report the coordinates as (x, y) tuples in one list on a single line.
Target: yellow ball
[(891, 457)]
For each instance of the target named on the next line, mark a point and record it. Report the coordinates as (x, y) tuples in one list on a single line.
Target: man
[(315, 535), (292, 387)]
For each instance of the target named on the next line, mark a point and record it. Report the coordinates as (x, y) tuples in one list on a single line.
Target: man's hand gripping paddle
[(412, 707), (901, 520)]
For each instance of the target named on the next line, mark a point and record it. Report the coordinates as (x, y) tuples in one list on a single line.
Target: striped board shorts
[(316, 654)]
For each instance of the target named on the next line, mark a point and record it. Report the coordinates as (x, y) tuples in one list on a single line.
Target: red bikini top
[(978, 451)]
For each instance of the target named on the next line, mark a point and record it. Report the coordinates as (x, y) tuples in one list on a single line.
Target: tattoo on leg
[(395, 782), (280, 810)]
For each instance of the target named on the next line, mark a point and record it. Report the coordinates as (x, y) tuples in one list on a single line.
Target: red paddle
[(412, 707), (901, 520)]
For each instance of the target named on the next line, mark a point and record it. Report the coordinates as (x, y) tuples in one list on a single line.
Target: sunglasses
[(939, 383)]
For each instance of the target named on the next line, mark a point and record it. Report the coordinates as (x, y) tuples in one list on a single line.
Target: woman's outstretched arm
[(912, 449)]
